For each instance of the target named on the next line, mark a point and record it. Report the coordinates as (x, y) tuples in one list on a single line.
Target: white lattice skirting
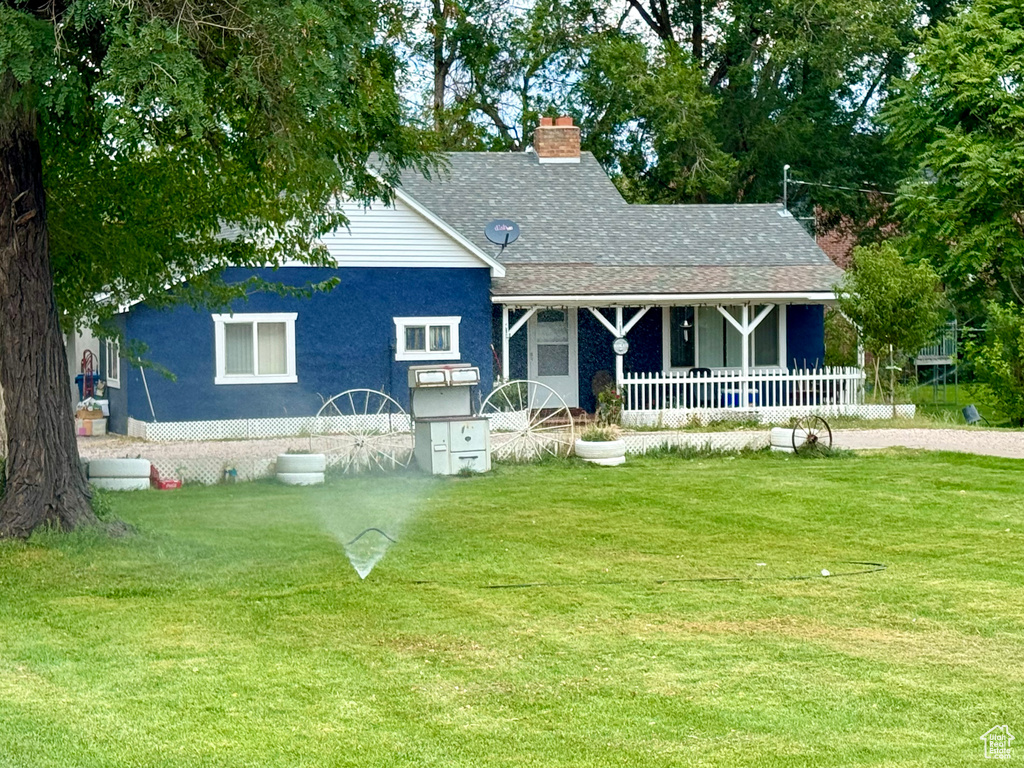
[(210, 470), (642, 442), (252, 429), (674, 418)]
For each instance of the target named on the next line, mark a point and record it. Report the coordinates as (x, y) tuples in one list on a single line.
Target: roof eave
[(496, 267), (634, 299)]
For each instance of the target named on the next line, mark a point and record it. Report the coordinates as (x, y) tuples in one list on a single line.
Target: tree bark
[(697, 36), (45, 483), (442, 64)]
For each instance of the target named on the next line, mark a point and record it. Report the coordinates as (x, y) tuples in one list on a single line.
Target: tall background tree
[(686, 100), (133, 135), (961, 116)]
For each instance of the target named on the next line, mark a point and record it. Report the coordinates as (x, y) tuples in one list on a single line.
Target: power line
[(845, 189)]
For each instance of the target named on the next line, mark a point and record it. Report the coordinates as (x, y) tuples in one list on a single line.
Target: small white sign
[(997, 742)]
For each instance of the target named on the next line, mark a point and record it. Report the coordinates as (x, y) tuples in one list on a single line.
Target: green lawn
[(946, 406), (232, 631)]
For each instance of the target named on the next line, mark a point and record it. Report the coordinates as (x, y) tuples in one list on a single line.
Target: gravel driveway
[(988, 442), (116, 446)]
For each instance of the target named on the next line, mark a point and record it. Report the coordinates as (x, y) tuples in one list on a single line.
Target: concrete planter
[(120, 474), (301, 468), (608, 453)]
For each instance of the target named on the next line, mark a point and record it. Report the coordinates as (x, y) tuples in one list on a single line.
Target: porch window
[(765, 338), (427, 338), (682, 337), (720, 345), (701, 337), (255, 348)]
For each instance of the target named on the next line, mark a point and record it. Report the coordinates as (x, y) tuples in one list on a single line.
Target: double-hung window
[(427, 338), (112, 362), (255, 348)]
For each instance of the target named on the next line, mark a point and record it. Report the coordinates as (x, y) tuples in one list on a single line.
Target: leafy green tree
[(998, 360), (897, 307), (647, 115), (961, 115), (495, 66), (133, 137), (792, 82)]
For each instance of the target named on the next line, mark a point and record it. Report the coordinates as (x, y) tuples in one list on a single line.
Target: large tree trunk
[(442, 63), (697, 36), (45, 484)]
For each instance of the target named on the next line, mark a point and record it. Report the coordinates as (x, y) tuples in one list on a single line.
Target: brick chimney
[(557, 141)]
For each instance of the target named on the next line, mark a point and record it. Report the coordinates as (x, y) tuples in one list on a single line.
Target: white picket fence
[(837, 389)]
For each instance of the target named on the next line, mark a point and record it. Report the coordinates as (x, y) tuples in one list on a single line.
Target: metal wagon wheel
[(365, 430), (812, 436), (528, 420)]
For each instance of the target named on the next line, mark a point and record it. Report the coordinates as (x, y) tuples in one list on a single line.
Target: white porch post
[(744, 383), (507, 333), (619, 371), (504, 342)]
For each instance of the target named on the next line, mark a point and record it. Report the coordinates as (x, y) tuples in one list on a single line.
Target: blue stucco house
[(720, 290)]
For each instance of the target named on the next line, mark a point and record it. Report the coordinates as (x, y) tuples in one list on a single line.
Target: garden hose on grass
[(378, 530), (869, 568)]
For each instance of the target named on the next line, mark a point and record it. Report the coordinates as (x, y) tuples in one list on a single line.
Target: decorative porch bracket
[(746, 327), (618, 330), (508, 332)]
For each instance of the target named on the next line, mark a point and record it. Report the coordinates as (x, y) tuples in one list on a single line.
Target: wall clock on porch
[(620, 346)]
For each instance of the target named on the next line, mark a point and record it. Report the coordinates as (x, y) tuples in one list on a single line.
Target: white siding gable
[(395, 236)]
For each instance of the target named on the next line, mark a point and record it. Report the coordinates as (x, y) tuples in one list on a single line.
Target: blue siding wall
[(517, 345), (344, 339), (595, 349), (805, 335), (645, 353), (594, 354)]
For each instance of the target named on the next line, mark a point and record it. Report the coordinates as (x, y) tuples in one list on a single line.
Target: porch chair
[(704, 395)]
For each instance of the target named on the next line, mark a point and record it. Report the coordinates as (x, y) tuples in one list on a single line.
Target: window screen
[(766, 338), (273, 348), (440, 338), (238, 348), (416, 338)]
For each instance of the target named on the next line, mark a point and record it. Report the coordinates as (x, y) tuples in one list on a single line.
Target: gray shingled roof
[(577, 234)]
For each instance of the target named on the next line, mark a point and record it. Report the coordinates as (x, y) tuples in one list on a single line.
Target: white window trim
[(666, 342), (401, 353), (289, 377), (112, 351)]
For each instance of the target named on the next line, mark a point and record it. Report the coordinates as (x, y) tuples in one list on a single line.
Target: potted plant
[(601, 445), (609, 407)]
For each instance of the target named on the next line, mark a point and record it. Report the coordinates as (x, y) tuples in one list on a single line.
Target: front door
[(553, 348)]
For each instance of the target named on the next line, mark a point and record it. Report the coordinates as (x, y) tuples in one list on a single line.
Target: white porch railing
[(736, 391)]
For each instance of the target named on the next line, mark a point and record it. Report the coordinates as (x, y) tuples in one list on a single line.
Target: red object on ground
[(88, 368), (160, 484)]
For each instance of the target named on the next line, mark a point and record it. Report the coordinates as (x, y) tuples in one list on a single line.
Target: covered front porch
[(679, 357)]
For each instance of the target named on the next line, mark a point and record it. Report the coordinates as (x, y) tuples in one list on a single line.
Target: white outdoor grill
[(449, 436)]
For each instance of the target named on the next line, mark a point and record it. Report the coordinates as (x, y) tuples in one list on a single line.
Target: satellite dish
[(502, 232)]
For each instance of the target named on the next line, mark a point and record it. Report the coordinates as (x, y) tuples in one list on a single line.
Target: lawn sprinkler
[(367, 549)]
